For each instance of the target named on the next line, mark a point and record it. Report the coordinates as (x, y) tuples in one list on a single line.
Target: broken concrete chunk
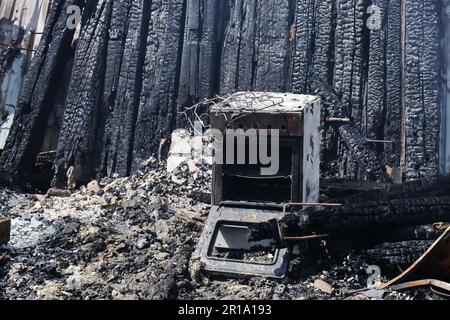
[(94, 187), (323, 286), (162, 256), (180, 149)]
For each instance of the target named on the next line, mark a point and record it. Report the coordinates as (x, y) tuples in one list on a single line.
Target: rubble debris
[(131, 238), (54, 192), (78, 247), (137, 249)]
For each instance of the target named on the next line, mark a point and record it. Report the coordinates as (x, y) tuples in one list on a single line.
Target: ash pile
[(133, 238), (124, 238)]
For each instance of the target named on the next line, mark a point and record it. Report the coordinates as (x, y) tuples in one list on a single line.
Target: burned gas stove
[(268, 157)]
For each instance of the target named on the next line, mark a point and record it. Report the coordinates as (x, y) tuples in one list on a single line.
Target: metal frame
[(298, 126), (220, 215)]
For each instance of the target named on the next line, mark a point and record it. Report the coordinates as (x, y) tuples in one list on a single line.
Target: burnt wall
[(139, 62), (21, 22)]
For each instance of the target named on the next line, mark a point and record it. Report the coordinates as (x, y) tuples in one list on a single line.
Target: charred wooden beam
[(376, 99), (119, 25), (401, 254), (272, 63), (312, 34), (35, 101), (413, 233), (158, 98), (199, 64), (342, 188), (350, 135), (121, 122), (348, 79), (393, 79), (323, 58), (302, 32), (257, 46), (421, 88), (238, 52), (415, 203), (78, 135)]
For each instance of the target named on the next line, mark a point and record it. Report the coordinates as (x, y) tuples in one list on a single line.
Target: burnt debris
[(100, 97), (366, 214), (136, 64)]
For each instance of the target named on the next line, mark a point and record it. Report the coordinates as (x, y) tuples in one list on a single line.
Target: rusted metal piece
[(433, 266), (5, 230), (422, 283)]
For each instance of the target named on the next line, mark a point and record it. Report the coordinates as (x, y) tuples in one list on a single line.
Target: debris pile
[(128, 238), (133, 238)]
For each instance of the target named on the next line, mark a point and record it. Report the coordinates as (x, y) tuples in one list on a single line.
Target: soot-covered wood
[(421, 90), (158, 100), (140, 62), (35, 101), (376, 212), (76, 144)]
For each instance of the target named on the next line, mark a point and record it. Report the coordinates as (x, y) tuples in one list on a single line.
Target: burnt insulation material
[(139, 62)]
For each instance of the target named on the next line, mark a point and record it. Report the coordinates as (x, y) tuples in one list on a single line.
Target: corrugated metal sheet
[(21, 22)]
